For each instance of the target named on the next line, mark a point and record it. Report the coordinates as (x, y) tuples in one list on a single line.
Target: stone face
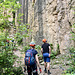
[(52, 19)]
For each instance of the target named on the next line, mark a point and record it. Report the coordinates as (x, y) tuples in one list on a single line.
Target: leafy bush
[(72, 65), (58, 50), (53, 54), (26, 48), (38, 47), (71, 70), (2, 39), (51, 45), (73, 33), (18, 71), (19, 34), (7, 57)]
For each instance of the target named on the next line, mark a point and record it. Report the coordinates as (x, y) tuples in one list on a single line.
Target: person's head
[(32, 44), (44, 40)]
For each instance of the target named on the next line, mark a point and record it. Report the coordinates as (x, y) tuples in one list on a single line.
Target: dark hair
[(32, 46)]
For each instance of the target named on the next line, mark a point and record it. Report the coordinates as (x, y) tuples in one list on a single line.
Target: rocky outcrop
[(52, 19)]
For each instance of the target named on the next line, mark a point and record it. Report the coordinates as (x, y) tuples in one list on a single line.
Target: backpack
[(29, 58)]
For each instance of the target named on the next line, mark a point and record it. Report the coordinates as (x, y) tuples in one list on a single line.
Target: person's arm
[(36, 57), (49, 51), (24, 62), (24, 67), (42, 50)]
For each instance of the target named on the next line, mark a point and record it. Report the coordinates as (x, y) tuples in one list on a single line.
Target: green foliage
[(73, 33), (72, 53), (53, 54), (2, 39), (6, 60), (58, 50), (72, 65), (38, 47), (68, 74), (26, 48), (7, 57), (1, 1), (71, 70), (22, 28), (18, 71), (51, 45), (72, 50), (6, 7)]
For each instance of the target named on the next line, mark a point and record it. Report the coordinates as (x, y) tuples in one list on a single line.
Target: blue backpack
[(29, 58)]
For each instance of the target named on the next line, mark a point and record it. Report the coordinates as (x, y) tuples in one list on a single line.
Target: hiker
[(7, 42), (31, 60), (46, 52)]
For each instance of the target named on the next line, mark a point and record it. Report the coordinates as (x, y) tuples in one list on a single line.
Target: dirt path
[(57, 66), (56, 71)]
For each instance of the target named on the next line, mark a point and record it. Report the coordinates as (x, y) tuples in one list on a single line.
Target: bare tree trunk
[(26, 11), (23, 11)]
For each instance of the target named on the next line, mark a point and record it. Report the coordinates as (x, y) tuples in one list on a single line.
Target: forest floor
[(57, 65)]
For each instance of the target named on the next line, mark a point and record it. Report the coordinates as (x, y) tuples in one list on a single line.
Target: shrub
[(26, 48), (51, 45), (38, 47), (72, 65)]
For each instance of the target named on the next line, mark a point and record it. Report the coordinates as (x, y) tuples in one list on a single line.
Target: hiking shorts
[(32, 69), (45, 57)]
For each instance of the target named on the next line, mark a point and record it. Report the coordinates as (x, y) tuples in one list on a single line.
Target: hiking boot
[(49, 72), (45, 71)]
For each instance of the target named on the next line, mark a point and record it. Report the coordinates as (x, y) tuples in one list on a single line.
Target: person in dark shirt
[(33, 68), (46, 52)]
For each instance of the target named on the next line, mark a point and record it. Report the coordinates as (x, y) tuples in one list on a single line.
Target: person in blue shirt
[(33, 68), (46, 52)]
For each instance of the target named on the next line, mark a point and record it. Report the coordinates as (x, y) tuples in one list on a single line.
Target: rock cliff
[(52, 19)]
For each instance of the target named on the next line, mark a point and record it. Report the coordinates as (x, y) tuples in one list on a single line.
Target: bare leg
[(45, 67), (48, 65), (45, 64)]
